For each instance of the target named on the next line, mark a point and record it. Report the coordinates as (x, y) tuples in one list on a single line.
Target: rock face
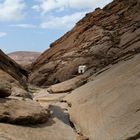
[(23, 57), (13, 75), (108, 107), (5, 89), (13, 69), (16, 88), (69, 85), (101, 38), (22, 112)]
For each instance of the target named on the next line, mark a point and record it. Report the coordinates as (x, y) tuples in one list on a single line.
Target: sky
[(32, 25)]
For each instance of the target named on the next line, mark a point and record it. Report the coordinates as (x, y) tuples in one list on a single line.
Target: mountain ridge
[(24, 57), (102, 37)]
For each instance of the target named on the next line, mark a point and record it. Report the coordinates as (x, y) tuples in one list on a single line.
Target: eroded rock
[(108, 107), (5, 89), (22, 112), (69, 85), (101, 38), (13, 69)]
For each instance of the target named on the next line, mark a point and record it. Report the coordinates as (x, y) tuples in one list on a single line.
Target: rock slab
[(108, 107), (22, 112)]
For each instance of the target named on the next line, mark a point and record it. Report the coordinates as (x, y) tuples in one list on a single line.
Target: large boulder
[(22, 112), (69, 85), (5, 89)]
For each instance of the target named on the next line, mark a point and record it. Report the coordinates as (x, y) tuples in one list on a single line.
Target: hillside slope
[(24, 57), (108, 106), (102, 37)]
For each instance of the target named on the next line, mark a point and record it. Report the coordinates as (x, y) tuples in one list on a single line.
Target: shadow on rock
[(57, 112)]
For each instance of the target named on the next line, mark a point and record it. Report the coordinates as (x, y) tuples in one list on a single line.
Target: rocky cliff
[(102, 37), (12, 68), (13, 75)]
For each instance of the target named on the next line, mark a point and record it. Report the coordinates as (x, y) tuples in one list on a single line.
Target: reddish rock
[(24, 57)]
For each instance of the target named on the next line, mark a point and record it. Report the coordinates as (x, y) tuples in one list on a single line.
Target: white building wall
[(82, 69)]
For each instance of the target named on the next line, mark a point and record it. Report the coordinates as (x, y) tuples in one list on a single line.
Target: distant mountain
[(24, 57)]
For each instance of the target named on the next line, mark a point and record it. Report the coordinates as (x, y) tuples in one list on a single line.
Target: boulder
[(5, 89), (22, 112), (18, 91), (69, 85)]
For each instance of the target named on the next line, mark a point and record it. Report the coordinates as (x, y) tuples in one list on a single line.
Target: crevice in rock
[(72, 125), (80, 136), (138, 110), (135, 137), (68, 103)]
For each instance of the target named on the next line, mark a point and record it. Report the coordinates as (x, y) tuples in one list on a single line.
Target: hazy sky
[(31, 25)]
